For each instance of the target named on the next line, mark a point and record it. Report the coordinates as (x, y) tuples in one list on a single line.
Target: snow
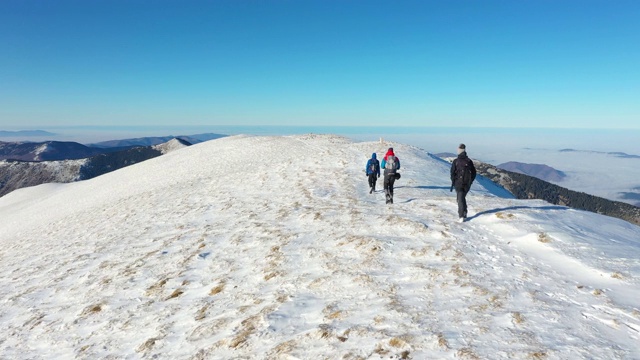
[(169, 146), (261, 247), (40, 150)]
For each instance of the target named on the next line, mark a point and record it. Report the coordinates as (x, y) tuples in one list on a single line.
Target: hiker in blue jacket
[(373, 172)]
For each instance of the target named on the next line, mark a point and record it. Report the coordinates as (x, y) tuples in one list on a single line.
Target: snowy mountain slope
[(18, 174), (171, 145), (271, 247)]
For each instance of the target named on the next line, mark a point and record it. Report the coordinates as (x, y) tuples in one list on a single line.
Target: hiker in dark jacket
[(373, 172), (463, 173), (390, 164)]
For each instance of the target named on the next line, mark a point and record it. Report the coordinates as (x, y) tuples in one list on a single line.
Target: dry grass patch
[(416, 226), (455, 269), (175, 294), (517, 318), (202, 313), (598, 292), (538, 355), (324, 333), (421, 252), (157, 287), (148, 345), (380, 350), (504, 216), (35, 321), (271, 275), (335, 315), (617, 276), (478, 290), (482, 308), (495, 301), (442, 341), (282, 349), (91, 309), (217, 289), (467, 353), (544, 238), (397, 343), (248, 328)]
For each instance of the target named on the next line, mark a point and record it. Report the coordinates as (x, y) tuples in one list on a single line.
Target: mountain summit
[(272, 248)]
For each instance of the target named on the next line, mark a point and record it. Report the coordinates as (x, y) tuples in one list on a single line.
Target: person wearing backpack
[(390, 164), (463, 173), (373, 172)]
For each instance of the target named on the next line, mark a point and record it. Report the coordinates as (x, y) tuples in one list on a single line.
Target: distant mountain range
[(149, 141), (64, 150), (16, 174), (49, 151), (540, 171), (28, 133), (615, 153), (528, 187)]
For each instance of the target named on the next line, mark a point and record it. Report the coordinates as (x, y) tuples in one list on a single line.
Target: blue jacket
[(376, 165)]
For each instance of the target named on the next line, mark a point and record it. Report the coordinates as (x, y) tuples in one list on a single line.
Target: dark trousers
[(372, 180), (462, 202), (388, 185)]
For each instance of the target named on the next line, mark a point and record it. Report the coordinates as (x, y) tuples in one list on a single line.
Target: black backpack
[(463, 170)]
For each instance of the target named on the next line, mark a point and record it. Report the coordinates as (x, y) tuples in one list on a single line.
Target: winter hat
[(390, 151), (461, 148)]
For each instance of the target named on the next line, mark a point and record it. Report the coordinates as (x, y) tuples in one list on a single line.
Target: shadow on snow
[(511, 208)]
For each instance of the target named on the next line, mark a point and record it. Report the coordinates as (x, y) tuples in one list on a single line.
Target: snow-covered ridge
[(171, 145), (272, 248)]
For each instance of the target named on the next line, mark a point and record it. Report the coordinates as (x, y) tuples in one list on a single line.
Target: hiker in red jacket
[(390, 164)]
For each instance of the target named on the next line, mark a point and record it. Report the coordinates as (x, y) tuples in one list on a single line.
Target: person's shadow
[(432, 187), (423, 187), (493, 211)]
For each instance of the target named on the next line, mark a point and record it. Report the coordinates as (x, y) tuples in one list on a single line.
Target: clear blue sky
[(481, 63)]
